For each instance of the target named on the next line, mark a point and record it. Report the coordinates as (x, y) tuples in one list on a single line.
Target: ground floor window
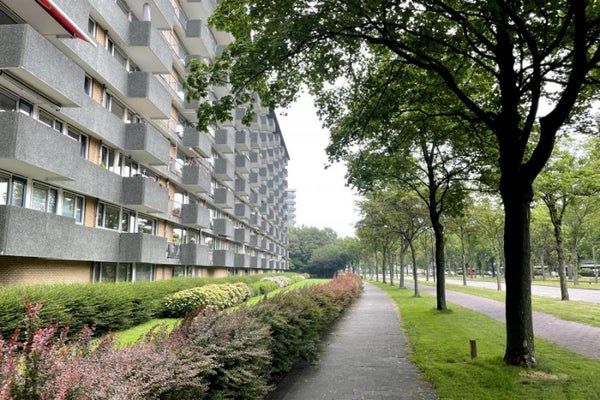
[(184, 270), (144, 272), (107, 272)]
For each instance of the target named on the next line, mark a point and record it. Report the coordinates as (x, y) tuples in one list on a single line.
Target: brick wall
[(24, 270)]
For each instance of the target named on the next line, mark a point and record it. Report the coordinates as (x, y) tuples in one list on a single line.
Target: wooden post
[(473, 344)]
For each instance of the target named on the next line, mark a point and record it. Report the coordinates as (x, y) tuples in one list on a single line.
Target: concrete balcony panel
[(242, 261), (253, 240), (254, 157), (242, 211), (147, 95), (190, 109), (196, 216), (93, 180), (31, 233), (108, 14), (263, 172), (196, 178), (143, 248), (255, 220), (30, 148), (148, 48), (242, 164), (146, 144), (225, 140), (161, 12), (263, 263), (223, 227), (241, 235), (254, 198), (253, 262), (242, 141), (242, 188), (223, 198), (144, 195), (199, 141), (195, 254), (254, 180), (224, 169), (223, 258), (30, 57)]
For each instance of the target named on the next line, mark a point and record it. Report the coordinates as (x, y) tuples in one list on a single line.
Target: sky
[(322, 199)]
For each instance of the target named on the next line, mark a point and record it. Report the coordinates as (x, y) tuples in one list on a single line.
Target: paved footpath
[(579, 338), (589, 295), (363, 358)]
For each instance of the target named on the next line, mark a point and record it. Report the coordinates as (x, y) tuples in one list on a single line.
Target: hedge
[(262, 287), (217, 296), (213, 355), (103, 306)]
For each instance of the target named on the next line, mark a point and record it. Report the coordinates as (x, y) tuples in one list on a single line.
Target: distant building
[(290, 204)]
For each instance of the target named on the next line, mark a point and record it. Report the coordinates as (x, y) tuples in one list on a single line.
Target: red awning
[(66, 22)]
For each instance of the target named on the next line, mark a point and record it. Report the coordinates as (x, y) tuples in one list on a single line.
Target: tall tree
[(498, 64)]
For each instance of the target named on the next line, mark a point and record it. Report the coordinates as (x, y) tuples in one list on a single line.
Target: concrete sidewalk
[(577, 337), (363, 358)]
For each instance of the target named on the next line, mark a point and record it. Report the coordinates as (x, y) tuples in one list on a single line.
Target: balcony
[(255, 220), (146, 144), (254, 157), (31, 233), (30, 148), (225, 140), (242, 211), (241, 188), (253, 262), (263, 263), (224, 169), (29, 56), (161, 12), (194, 254), (223, 258), (199, 141), (242, 261), (241, 235), (242, 164), (254, 180), (254, 198), (196, 178), (253, 240), (242, 141), (143, 248), (255, 141), (223, 227), (147, 95), (144, 195), (196, 216), (148, 48), (223, 198)]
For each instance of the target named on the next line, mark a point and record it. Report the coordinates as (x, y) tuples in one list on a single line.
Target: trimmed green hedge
[(103, 306), (263, 287), (218, 296)]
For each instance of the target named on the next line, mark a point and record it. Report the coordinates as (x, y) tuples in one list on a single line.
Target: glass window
[(4, 181), (124, 272), (82, 139), (92, 27), (108, 217), (25, 107), (43, 198), (120, 56), (49, 120), (18, 192), (107, 157), (108, 272), (127, 221), (179, 236), (130, 168), (87, 85), (117, 108), (7, 102), (72, 206), (144, 272), (178, 270), (146, 225)]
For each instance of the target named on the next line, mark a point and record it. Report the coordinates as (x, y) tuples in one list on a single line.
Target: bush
[(104, 306), (279, 280), (217, 296), (263, 287)]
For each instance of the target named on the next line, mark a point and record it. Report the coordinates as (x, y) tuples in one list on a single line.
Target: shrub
[(263, 287), (279, 280), (104, 306), (217, 296)]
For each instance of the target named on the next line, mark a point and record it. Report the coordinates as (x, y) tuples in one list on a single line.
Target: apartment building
[(103, 175), (290, 206)]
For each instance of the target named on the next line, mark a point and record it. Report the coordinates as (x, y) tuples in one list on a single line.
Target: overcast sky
[(322, 199)]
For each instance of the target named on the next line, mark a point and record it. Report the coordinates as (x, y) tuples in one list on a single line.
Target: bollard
[(473, 344)]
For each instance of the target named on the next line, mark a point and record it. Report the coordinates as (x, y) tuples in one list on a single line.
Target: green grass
[(130, 336), (585, 282), (578, 311), (440, 347)]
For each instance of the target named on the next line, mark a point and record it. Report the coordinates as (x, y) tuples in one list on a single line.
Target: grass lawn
[(578, 311), (585, 282), (440, 347), (132, 335)]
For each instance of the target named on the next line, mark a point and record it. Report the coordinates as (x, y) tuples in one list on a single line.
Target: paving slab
[(363, 358)]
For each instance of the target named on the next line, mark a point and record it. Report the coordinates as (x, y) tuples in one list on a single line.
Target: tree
[(304, 240), (498, 65), (328, 259)]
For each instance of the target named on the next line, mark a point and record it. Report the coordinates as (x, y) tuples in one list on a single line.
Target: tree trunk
[(560, 253), (376, 268), (462, 256), (440, 281), (517, 198), (414, 267), (499, 274), (391, 267), (401, 259), (383, 260)]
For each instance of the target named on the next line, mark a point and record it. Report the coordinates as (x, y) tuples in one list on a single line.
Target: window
[(7, 102), (107, 158), (108, 217), (108, 272), (4, 185), (131, 118), (124, 272), (92, 27), (43, 198), (120, 56), (17, 193), (82, 139), (49, 120), (130, 168), (72, 206), (178, 270), (25, 107), (146, 225), (144, 272), (87, 86), (116, 108), (127, 221)]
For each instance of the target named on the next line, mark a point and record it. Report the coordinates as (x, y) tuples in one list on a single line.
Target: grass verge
[(585, 282), (578, 311), (130, 336), (440, 343)]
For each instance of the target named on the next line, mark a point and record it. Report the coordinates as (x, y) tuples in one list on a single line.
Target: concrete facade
[(100, 160)]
